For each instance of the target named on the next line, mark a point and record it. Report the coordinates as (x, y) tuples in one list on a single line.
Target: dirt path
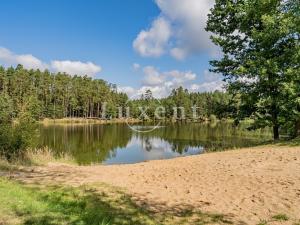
[(249, 184)]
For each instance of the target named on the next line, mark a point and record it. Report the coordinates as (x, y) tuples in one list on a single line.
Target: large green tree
[(259, 40)]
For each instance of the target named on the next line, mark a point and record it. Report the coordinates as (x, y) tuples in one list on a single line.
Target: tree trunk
[(276, 132)]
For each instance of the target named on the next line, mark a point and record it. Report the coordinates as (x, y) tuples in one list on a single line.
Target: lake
[(118, 144)]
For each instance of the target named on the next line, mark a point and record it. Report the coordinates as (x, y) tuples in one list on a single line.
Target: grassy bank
[(64, 205), (35, 157)]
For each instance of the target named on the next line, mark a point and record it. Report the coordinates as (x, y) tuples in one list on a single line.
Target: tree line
[(184, 105), (58, 95)]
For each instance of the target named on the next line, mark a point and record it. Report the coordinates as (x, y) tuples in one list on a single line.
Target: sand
[(249, 185)]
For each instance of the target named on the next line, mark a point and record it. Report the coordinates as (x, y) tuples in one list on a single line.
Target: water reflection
[(111, 144)]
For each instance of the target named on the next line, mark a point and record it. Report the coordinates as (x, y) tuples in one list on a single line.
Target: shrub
[(15, 139), (213, 118), (15, 136)]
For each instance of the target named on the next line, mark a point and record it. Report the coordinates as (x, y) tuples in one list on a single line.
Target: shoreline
[(251, 184), (79, 120), (83, 121)]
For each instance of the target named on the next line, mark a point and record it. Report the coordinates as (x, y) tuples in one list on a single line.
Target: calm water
[(115, 144)]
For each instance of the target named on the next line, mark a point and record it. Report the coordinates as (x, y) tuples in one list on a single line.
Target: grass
[(44, 156), (263, 222), (294, 142), (35, 157), (64, 205), (6, 166), (281, 217), (86, 205), (278, 218)]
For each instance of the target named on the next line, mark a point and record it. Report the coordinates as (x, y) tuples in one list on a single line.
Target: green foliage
[(212, 118), (57, 95), (6, 109), (261, 54), (15, 136), (218, 103)]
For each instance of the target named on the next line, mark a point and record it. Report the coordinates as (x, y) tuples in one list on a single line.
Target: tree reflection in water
[(117, 143)]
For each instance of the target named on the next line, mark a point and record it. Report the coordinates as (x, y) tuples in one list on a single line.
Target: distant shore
[(80, 121), (83, 121)]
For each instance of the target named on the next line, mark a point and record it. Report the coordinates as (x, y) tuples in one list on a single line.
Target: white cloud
[(170, 79), (158, 91), (208, 86), (152, 76), (75, 67), (210, 76), (160, 83), (179, 53), (153, 42), (130, 91), (179, 77), (136, 66), (186, 30), (212, 82), (8, 58)]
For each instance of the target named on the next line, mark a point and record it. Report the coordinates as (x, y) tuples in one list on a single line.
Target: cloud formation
[(212, 82), (75, 67), (152, 77), (8, 58), (179, 30), (152, 42), (161, 83), (136, 66)]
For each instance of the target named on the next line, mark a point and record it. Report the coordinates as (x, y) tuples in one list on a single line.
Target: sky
[(135, 44)]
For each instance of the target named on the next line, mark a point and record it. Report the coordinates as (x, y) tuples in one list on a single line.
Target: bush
[(213, 118), (15, 136)]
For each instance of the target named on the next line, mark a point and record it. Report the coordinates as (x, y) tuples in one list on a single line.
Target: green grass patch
[(292, 143), (56, 205), (263, 222), (281, 217), (86, 205)]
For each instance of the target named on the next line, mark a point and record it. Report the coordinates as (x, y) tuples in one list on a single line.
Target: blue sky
[(164, 39)]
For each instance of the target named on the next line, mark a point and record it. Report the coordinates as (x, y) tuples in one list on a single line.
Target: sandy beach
[(247, 185)]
